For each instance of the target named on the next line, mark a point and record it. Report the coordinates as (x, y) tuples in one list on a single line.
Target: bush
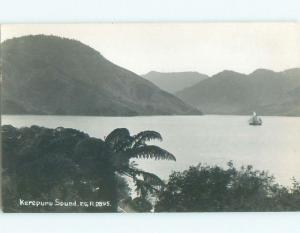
[(212, 188), (41, 164)]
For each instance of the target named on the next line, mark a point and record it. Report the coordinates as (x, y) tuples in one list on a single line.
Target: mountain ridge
[(264, 91), (174, 81), (50, 75)]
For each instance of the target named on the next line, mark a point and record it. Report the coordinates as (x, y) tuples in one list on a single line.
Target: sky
[(208, 48)]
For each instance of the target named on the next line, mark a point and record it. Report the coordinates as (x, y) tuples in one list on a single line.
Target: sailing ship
[(255, 120)]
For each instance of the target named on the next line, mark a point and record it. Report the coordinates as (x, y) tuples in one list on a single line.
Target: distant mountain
[(173, 82), (53, 75), (264, 91)]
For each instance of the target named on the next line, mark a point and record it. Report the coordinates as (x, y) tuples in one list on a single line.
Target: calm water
[(275, 146)]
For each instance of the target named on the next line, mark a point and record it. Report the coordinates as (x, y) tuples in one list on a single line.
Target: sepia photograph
[(150, 117)]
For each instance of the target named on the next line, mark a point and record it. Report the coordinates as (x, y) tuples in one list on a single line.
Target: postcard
[(150, 117)]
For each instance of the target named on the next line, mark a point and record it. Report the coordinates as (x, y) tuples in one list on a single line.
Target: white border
[(13, 11)]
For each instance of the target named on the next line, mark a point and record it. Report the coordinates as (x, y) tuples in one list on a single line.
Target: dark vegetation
[(71, 78), (212, 188), (66, 164), (46, 164)]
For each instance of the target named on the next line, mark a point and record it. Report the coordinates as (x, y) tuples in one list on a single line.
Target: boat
[(255, 120)]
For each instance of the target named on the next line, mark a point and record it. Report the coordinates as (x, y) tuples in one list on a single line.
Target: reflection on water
[(275, 146)]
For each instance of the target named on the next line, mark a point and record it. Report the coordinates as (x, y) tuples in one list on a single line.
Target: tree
[(127, 147), (212, 188), (47, 164)]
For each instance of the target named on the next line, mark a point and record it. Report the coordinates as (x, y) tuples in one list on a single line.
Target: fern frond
[(147, 135), (151, 152)]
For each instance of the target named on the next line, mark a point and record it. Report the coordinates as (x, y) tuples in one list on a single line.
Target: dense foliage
[(206, 188), (46, 164), (41, 164)]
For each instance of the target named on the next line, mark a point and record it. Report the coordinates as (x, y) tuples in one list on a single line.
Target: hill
[(53, 75), (264, 91), (175, 81)]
